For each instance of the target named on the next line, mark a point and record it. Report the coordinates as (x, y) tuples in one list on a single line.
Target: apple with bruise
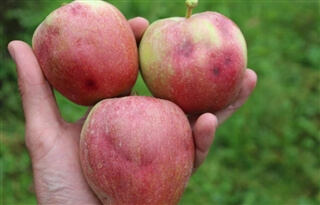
[(87, 51), (197, 62), (137, 150)]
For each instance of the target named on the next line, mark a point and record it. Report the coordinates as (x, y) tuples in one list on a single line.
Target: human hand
[(53, 143), (205, 125)]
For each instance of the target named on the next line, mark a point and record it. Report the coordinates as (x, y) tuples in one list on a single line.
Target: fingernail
[(217, 122), (11, 51)]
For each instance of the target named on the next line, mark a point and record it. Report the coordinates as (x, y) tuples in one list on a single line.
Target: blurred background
[(266, 153)]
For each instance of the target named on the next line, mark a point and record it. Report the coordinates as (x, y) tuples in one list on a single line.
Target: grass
[(266, 153)]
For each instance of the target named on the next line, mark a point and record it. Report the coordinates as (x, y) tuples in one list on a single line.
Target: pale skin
[(53, 143)]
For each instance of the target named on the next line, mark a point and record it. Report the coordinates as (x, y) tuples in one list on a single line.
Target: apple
[(87, 51), (197, 62), (137, 150)]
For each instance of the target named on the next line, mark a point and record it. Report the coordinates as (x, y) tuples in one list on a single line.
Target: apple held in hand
[(197, 62), (137, 150), (87, 51)]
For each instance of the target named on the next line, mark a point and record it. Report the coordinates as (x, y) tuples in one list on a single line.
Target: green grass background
[(266, 153)]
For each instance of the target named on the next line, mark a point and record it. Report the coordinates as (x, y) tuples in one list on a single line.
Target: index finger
[(38, 100)]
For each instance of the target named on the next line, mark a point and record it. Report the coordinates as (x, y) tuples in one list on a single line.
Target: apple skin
[(137, 150), (197, 62), (87, 51)]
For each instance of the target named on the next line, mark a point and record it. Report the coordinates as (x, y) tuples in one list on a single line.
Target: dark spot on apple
[(224, 25), (54, 30), (186, 49), (216, 71), (76, 9), (142, 161), (78, 41), (91, 84), (227, 60), (79, 10), (146, 161)]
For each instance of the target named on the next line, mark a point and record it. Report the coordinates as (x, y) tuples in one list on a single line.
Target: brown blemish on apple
[(227, 60), (216, 70), (75, 10), (222, 62), (91, 84), (79, 9), (187, 48), (54, 30)]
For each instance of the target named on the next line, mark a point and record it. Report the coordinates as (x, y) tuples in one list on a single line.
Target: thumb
[(38, 100)]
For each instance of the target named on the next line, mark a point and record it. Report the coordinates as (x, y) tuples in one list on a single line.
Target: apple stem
[(190, 5)]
